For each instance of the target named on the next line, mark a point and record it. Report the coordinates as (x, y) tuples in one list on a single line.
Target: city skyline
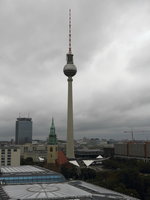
[(111, 42)]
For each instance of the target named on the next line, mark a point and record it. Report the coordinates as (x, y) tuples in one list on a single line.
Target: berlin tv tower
[(70, 70)]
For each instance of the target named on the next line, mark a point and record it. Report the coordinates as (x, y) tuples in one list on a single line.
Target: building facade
[(34, 151), (23, 130), (9, 156), (139, 150)]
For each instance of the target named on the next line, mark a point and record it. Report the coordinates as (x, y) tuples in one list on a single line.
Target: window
[(34, 148), (3, 151), (51, 149), (25, 149)]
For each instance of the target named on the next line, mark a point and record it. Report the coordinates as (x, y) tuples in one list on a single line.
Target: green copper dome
[(52, 140)]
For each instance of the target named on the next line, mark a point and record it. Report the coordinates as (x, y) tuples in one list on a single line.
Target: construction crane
[(131, 133), (135, 131)]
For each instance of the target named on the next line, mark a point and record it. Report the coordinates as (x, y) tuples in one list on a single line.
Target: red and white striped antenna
[(70, 52)]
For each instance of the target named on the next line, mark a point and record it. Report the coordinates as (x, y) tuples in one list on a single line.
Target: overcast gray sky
[(111, 47)]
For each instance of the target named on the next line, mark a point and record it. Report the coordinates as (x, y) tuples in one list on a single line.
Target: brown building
[(133, 150)]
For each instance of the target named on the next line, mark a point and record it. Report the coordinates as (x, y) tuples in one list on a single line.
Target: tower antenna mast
[(70, 52)]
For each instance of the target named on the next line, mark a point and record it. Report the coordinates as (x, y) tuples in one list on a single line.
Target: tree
[(69, 171), (87, 173), (27, 161)]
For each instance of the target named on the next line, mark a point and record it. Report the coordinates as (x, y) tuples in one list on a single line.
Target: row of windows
[(8, 158), (26, 149), (8, 151), (32, 179), (3, 163), (52, 148), (29, 181), (38, 150)]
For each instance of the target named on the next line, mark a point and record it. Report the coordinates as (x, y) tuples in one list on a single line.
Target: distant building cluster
[(133, 150), (11, 154)]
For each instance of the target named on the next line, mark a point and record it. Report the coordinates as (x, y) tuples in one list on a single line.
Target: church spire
[(52, 140), (52, 129)]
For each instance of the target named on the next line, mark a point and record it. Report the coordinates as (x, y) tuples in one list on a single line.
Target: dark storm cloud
[(110, 42)]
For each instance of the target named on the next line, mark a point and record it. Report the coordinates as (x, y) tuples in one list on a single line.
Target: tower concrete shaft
[(70, 140)]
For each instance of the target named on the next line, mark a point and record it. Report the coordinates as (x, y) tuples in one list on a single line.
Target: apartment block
[(9, 156), (133, 150)]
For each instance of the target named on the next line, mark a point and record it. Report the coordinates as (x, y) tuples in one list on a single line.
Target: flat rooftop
[(24, 170), (73, 190), (24, 119), (21, 169)]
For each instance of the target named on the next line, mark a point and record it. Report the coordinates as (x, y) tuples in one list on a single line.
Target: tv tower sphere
[(70, 69)]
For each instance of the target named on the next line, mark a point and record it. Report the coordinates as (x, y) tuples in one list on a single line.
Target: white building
[(9, 156)]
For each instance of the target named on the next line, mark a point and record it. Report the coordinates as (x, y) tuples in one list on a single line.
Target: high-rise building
[(52, 147), (70, 70), (23, 130)]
